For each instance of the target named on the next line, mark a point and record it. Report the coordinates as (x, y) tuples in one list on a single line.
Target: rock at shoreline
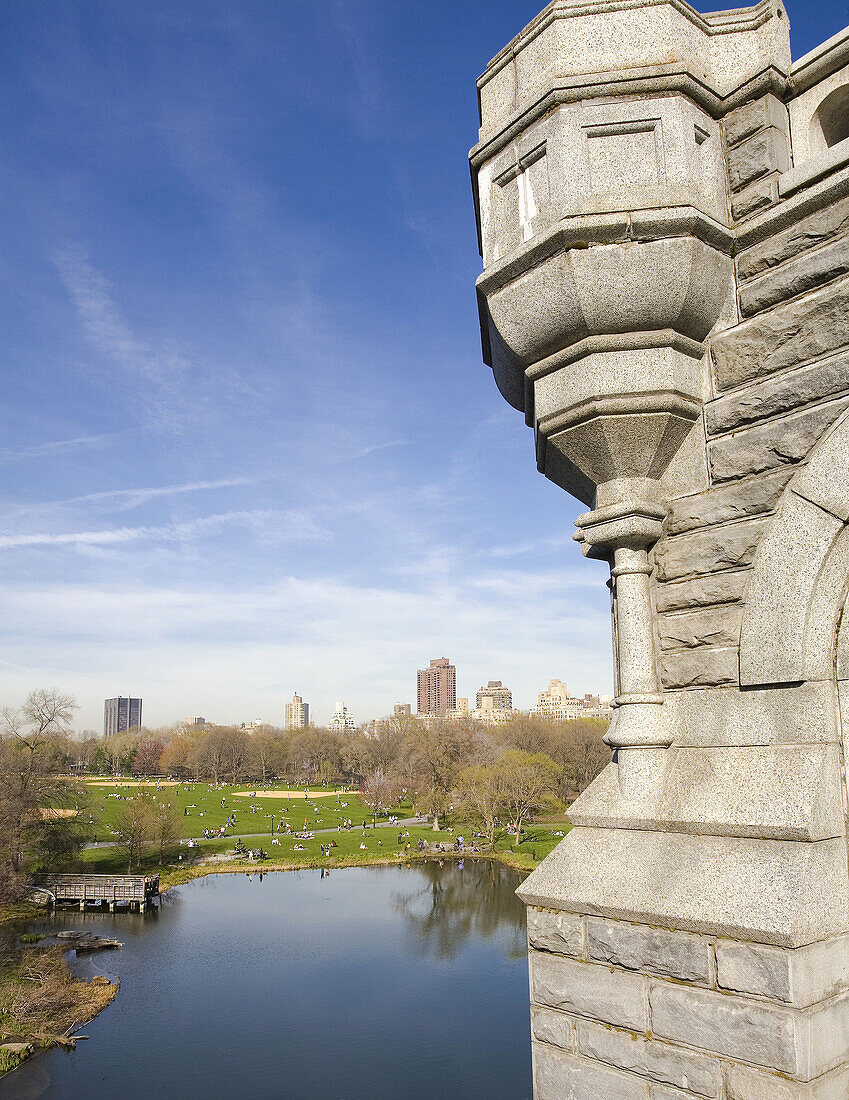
[(21, 1051), (82, 942)]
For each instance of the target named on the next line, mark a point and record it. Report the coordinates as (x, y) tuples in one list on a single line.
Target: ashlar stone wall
[(663, 208)]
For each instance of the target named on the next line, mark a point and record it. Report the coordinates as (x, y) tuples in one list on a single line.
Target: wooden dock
[(133, 891)]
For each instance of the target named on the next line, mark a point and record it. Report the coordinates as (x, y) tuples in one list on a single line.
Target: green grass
[(381, 845), (200, 808)]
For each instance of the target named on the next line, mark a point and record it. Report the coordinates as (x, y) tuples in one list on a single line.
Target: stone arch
[(798, 585), (830, 123)]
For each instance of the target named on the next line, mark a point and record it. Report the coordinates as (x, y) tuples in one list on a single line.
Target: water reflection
[(455, 903), (305, 985)]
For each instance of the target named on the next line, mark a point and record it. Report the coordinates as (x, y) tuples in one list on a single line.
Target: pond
[(354, 985)]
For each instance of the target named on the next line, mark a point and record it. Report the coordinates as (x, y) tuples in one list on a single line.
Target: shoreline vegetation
[(44, 1004)]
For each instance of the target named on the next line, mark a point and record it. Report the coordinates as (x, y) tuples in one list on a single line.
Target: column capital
[(631, 524)]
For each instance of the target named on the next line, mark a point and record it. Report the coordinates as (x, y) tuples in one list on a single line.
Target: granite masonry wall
[(662, 200)]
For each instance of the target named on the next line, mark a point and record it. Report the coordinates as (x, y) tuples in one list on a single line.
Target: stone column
[(639, 733), (663, 208)]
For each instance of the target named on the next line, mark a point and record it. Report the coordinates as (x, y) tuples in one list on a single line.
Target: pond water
[(365, 984)]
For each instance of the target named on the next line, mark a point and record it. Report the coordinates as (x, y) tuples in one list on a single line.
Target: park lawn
[(202, 801), (381, 844), (538, 840)]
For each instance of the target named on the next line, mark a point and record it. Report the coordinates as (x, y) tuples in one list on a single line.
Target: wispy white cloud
[(56, 446), (162, 372), (364, 452), (287, 526), (123, 500)]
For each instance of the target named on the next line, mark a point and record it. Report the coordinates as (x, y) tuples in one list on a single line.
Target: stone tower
[(663, 207)]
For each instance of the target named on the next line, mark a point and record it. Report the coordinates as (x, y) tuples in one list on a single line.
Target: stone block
[(661, 1063), (586, 989), (787, 336), (701, 591), (555, 1028), (777, 396), (552, 930), (810, 270), (756, 196), (728, 547), (736, 1027), (747, 1083), (785, 893), (651, 950), (804, 714), (804, 233), (777, 443), (753, 116), (713, 626), (559, 1076), (823, 1039), (757, 156), (699, 668), (726, 503), (801, 977), (772, 792)]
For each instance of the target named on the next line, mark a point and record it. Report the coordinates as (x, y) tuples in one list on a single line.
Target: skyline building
[(501, 697), (437, 688), (342, 719), (402, 710), (120, 714), (297, 715), (556, 702)]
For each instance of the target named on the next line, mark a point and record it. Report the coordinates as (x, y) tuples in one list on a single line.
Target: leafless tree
[(135, 822)]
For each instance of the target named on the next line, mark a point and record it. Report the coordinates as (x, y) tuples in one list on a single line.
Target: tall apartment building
[(297, 713), (437, 688), (121, 714), (502, 697)]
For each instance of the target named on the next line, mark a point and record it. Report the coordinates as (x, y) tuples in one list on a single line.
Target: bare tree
[(136, 823), (436, 754), (47, 712), (479, 789), (379, 790), (29, 790), (146, 759), (167, 829)]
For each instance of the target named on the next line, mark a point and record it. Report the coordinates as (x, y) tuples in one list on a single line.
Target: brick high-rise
[(437, 687)]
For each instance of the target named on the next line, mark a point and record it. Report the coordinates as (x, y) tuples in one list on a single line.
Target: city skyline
[(297, 713)]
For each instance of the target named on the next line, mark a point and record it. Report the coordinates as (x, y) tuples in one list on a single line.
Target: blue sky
[(249, 445)]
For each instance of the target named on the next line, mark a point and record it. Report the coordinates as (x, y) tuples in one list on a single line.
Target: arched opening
[(830, 124)]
